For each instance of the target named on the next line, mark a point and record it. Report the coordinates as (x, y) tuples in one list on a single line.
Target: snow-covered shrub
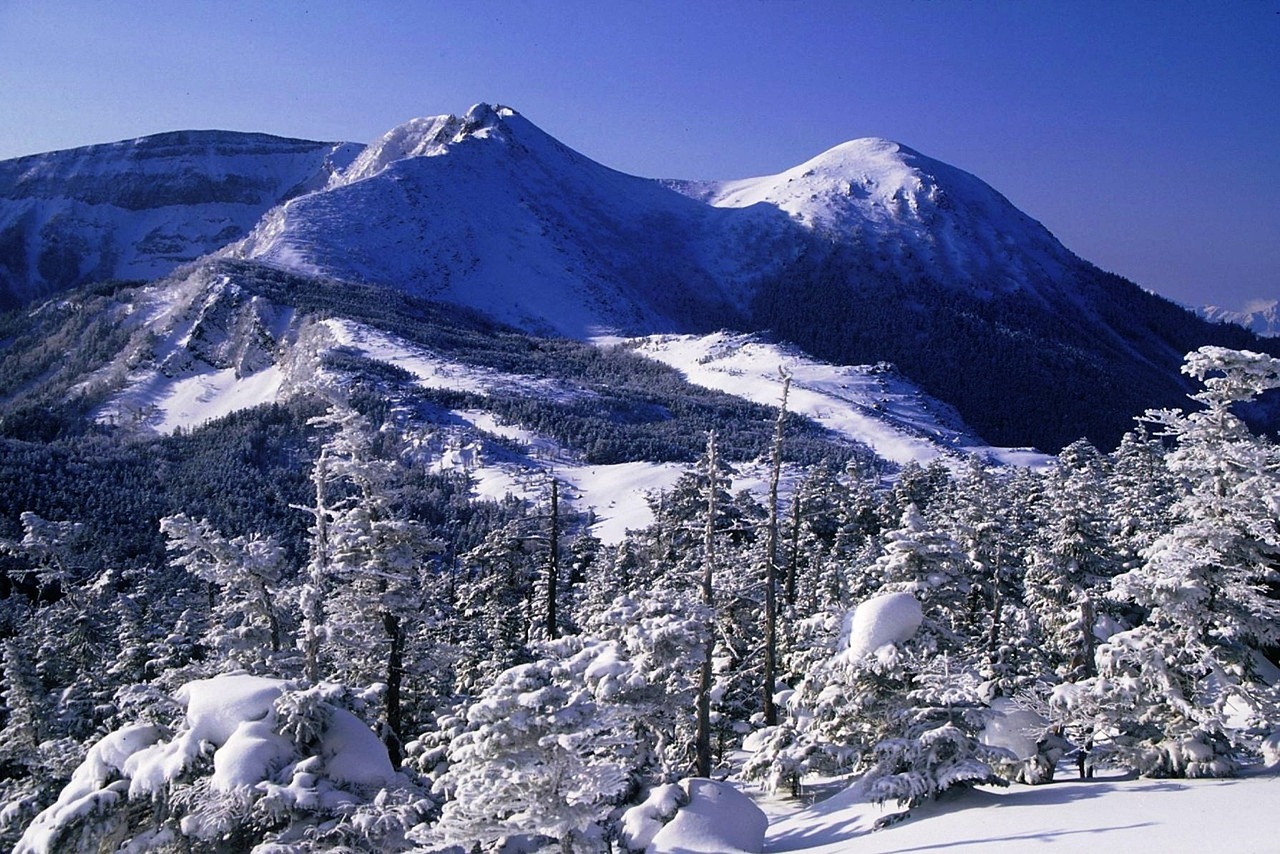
[(934, 741), (1165, 709), (235, 771), (780, 756)]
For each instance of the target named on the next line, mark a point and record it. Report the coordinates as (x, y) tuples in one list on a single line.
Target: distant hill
[(1261, 317)]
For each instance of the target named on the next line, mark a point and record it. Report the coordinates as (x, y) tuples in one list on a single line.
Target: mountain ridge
[(137, 209), (869, 252)]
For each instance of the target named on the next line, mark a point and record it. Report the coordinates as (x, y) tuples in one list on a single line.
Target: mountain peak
[(428, 136)]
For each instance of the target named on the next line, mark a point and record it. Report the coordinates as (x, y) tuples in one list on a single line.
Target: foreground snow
[(1104, 814)]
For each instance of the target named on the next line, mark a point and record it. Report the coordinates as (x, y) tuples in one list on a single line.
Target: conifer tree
[(1174, 687), (1071, 561)]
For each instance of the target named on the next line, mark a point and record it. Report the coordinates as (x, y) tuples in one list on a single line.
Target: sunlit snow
[(867, 404)]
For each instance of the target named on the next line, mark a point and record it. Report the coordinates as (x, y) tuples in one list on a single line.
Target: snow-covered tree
[(245, 574), (936, 746), (1182, 689), (931, 565), (663, 634), (1208, 577), (495, 604), (1071, 561), (538, 756), (363, 597), (51, 549), (889, 705)]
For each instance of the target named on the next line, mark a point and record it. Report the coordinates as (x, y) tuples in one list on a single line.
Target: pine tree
[(931, 565), (537, 758)]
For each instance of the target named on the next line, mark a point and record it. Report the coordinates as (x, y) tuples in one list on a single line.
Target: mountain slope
[(869, 252), (914, 215), (136, 209)]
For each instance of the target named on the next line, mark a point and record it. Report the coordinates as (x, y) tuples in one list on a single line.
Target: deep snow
[(1110, 813)]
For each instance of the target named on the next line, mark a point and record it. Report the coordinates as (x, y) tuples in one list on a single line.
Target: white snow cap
[(882, 620)]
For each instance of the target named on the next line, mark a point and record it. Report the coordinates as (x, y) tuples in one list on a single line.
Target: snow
[(251, 754), (194, 400), (488, 211), (866, 404), (641, 823), (216, 707), (914, 211), (1115, 813), (617, 493), (352, 752), (140, 208), (880, 621), (1260, 316), (718, 819), (235, 716)]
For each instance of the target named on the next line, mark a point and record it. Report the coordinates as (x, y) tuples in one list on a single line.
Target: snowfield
[(868, 404)]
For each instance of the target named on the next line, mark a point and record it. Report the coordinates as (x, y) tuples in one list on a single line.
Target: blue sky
[(1145, 135)]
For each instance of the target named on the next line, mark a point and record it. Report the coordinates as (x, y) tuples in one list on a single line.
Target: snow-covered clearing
[(193, 400)]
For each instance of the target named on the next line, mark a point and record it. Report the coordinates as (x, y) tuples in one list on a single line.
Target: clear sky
[(1145, 135)]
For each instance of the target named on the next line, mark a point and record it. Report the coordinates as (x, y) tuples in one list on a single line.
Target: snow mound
[(882, 620), (642, 823), (237, 716), (717, 820)]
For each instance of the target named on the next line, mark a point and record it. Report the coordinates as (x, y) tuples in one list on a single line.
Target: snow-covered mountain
[(1262, 317), (867, 253), (136, 209), (488, 211), (911, 212), (220, 339)]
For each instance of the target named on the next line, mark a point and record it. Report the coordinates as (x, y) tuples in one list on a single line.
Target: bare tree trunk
[(793, 559), (553, 563), (771, 563), (702, 738), (1088, 616), (269, 609), (395, 680), (312, 600)]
